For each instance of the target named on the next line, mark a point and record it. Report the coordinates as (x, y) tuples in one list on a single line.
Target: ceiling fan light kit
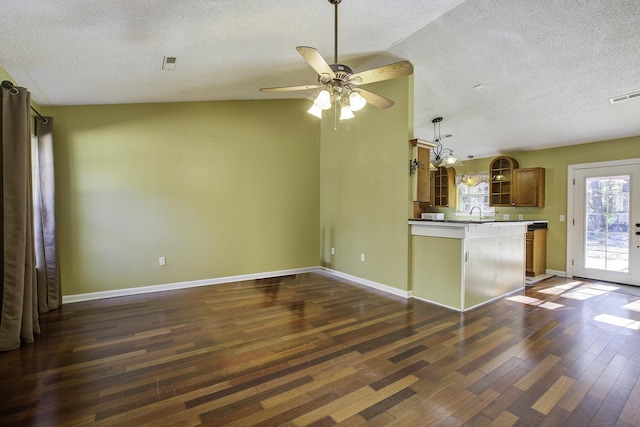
[(315, 111), (323, 101), (356, 101), (346, 113), (340, 85)]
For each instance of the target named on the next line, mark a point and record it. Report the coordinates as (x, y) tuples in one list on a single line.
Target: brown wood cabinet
[(423, 193), (536, 252), (528, 187), (422, 179), (513, 186), (443, 187), (501, 174)]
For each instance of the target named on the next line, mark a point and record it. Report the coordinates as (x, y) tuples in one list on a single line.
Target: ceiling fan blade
[(289, 88), (317, 62), (386, 72), (376, 100)]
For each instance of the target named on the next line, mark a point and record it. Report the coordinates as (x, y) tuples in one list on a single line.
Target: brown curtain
[(18, 299), (49, 292)]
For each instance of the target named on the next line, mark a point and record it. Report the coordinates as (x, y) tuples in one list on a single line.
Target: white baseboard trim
[(67, 299), (369, 283), (557, 273), (475, 306), (436, 303), (515, 291)]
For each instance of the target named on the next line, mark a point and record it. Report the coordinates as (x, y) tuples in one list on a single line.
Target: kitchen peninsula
[(463, 264)]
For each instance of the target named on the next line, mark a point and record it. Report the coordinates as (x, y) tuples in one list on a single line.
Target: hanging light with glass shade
[(442, 156)]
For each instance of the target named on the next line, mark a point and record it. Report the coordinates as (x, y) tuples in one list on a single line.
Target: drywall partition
[(365, 187), (218, 189)]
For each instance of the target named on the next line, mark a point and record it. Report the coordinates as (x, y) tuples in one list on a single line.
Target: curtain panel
[(49, 292), (18, 299)]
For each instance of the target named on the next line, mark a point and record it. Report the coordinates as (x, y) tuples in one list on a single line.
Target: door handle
[(638, 225)]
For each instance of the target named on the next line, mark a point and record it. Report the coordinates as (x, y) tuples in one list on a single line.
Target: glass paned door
[(607, 224), (606, 246)]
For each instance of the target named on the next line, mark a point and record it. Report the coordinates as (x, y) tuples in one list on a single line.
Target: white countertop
[(465, 229)]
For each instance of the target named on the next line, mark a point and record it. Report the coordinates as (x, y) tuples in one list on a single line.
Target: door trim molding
[(571, 170)]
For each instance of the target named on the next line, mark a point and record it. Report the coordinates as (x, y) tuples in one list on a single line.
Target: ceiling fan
[(340, 85)]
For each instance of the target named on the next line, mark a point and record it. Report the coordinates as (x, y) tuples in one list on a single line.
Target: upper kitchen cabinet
[(443, 188), (422, 187), (421, 153), (528, 187), (513, 186), (501, 174)]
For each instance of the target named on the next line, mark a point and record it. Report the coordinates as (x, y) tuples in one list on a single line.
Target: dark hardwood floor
[(314, 350)]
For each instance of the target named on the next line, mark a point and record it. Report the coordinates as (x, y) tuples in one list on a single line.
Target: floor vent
[(624, 97)]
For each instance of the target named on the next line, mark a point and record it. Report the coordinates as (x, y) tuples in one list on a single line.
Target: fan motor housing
[(342, 74)]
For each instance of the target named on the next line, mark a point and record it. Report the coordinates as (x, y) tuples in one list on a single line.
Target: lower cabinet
[(536, 252)]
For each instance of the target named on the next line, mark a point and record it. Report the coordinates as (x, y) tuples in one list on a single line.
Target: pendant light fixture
[(442, 156)]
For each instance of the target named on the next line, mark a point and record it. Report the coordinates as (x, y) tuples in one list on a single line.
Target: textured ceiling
[(547, 68)]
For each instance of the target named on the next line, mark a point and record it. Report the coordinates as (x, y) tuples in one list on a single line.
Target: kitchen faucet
[(479, 210)]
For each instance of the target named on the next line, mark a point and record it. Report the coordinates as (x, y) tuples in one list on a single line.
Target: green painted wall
[(431, 280), (5, 76), (218, 188), (365, 189), (556, 161)]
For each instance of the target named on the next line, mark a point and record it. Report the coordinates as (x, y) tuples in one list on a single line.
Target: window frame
[(477, 179)]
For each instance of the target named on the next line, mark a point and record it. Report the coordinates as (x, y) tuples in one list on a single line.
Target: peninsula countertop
[(480, 221), (468, 228)]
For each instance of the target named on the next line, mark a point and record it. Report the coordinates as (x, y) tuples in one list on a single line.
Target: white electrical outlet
[(361, 257), (333, 251), (520, 217), (162, 261), (506, 217), (561, 218)]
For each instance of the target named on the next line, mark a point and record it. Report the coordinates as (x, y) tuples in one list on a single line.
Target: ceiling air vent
[(169, 63), (624, 97)]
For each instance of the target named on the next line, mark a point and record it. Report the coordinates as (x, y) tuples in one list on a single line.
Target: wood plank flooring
[(312, 350)]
